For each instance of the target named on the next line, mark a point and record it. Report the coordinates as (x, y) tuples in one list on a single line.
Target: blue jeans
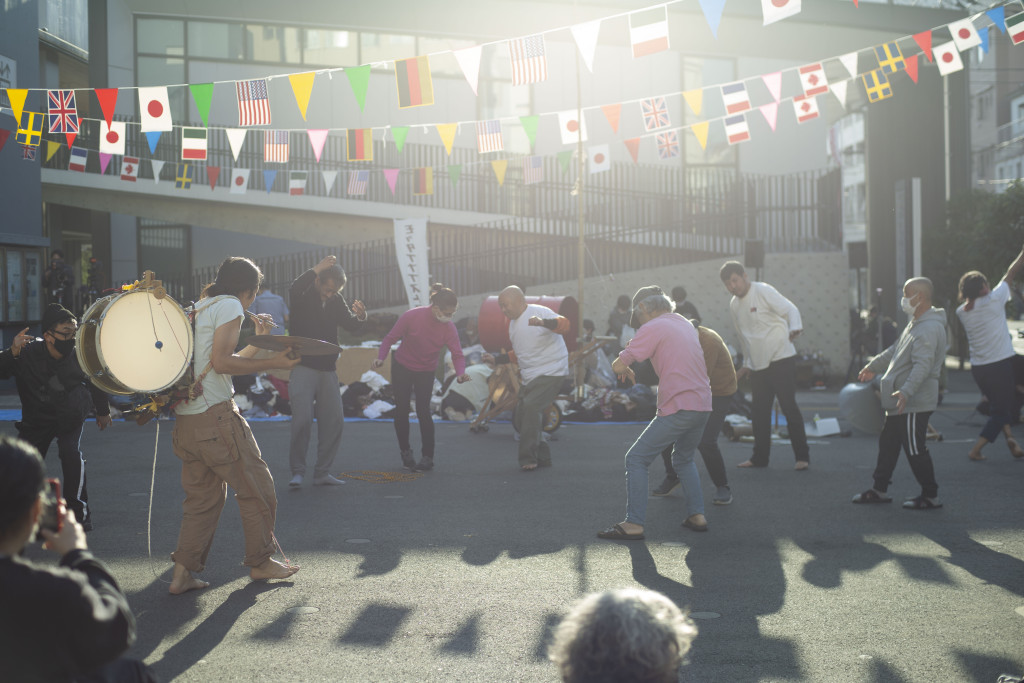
[(683, 429)]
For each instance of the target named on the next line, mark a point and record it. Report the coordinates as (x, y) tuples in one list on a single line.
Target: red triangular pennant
[(911, 67), (633, 145), (3, 137), (108, 102), (71, 138), (612, 112), (924, 41), (212, 173)]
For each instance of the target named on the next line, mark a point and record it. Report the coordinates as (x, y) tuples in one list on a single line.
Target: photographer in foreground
[(59, 624)]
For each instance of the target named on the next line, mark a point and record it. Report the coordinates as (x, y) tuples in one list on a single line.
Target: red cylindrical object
[(492, 324)]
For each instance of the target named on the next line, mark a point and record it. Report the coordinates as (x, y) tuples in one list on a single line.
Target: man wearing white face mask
[(910, 393)]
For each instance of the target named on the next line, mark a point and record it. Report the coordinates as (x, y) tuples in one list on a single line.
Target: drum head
[(88, 352), (143, 342)]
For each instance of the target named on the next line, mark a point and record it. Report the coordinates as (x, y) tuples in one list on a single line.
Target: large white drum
[(134, 342)]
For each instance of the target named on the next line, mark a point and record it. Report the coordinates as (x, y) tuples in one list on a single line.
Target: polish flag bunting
[(777, 10), (648, 31), (571, 127), (78, 159), (734, 95), (193, 143), (736, 129), (297, 182), (964, 34), (112, 137), (805, 108), (947, 58), (812, 78), (239, 181), (130, 169), (1015, 28), (155, 109)]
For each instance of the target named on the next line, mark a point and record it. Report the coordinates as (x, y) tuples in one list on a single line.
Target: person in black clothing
[(59, 623), (317, 309), (56, 398), (58, 280), (684, 307)]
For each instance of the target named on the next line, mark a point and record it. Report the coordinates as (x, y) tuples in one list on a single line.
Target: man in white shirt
[(767, 323), (537, 345)]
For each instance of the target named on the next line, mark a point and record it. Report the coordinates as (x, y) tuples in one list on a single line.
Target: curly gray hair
[(622, 635)]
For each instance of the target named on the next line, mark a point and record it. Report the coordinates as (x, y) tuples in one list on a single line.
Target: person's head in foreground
[(22, 480), (622, 635)]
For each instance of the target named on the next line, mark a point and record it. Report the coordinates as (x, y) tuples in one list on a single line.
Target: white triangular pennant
[(157, 167), (236, 136), (585, 36), (329, 177), (850, 62), (839, 90), (469, 62)]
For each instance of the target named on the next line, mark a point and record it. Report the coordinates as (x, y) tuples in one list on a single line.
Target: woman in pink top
[(423, 331)]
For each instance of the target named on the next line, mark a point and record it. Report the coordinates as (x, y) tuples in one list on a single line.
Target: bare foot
[(529, 468), (1015, 449), (272, 569), (182, 581), (975, 454)]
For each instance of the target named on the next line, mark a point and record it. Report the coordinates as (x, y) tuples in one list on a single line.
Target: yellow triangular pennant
[(17, 98), (447, 133), (700, 131), (51, 149), (694, 98), (302, 86), (500, 167)]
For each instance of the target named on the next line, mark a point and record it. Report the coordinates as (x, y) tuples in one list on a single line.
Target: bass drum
[(134, 343)]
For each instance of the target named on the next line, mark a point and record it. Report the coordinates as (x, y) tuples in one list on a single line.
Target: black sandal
[(871, 496), (617, 533), (922, 503)]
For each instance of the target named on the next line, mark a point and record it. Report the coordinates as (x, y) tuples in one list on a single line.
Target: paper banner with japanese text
[(411, 252)]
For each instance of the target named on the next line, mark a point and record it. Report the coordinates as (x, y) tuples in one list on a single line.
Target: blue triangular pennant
[(268, 179), (713, 14), (998, 17), (983, 34), (153, 137)]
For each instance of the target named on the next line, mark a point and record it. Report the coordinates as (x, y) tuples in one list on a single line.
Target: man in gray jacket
[(910, 393)]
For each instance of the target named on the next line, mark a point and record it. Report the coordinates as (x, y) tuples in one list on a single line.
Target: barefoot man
[(214, 442)]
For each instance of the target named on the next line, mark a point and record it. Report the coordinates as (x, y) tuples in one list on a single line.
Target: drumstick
[(256, 318)]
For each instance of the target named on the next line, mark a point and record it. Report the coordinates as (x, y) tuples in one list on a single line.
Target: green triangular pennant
[(530, 127), (359, 79), (453, 173), (398, 134), (202, 93), (563, 159)]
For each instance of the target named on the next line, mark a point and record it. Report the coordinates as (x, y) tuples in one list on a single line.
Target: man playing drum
[(56, 398), (213, 440)]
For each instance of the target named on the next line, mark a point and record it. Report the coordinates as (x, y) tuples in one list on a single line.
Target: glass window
[(445, 64), (496, 63), (330, 48), (385, 47), (33, 285), (273, 44), (160, 36), (66, 19), (215, 39)]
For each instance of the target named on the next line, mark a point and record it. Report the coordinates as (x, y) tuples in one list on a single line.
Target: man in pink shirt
[(684, 403)]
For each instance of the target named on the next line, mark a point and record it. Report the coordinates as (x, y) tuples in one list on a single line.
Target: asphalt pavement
[(460, 574)]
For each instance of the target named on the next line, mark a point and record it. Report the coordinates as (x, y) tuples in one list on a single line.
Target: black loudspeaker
[(753, 254), (858, 254)]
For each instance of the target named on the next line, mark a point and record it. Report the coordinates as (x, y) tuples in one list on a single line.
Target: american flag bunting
[(533, 170), (529, 63), (253, 103), (488, 136), (275, 146), (357, 182)]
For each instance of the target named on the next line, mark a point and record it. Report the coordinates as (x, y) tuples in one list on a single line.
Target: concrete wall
[(809, 280)]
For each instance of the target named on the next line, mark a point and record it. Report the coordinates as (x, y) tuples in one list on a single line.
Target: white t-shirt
[(987, 335), (539, 350), (210, 314), (763, 319)]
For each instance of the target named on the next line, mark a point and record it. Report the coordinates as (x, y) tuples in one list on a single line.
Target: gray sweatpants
[(314, 392), (534, 397)]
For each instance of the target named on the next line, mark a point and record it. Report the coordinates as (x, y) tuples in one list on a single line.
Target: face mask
[(64, 346), (908, 307), (443, 318)]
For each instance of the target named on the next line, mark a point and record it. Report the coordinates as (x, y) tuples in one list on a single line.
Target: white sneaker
[(327, 480), (296, 481)]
